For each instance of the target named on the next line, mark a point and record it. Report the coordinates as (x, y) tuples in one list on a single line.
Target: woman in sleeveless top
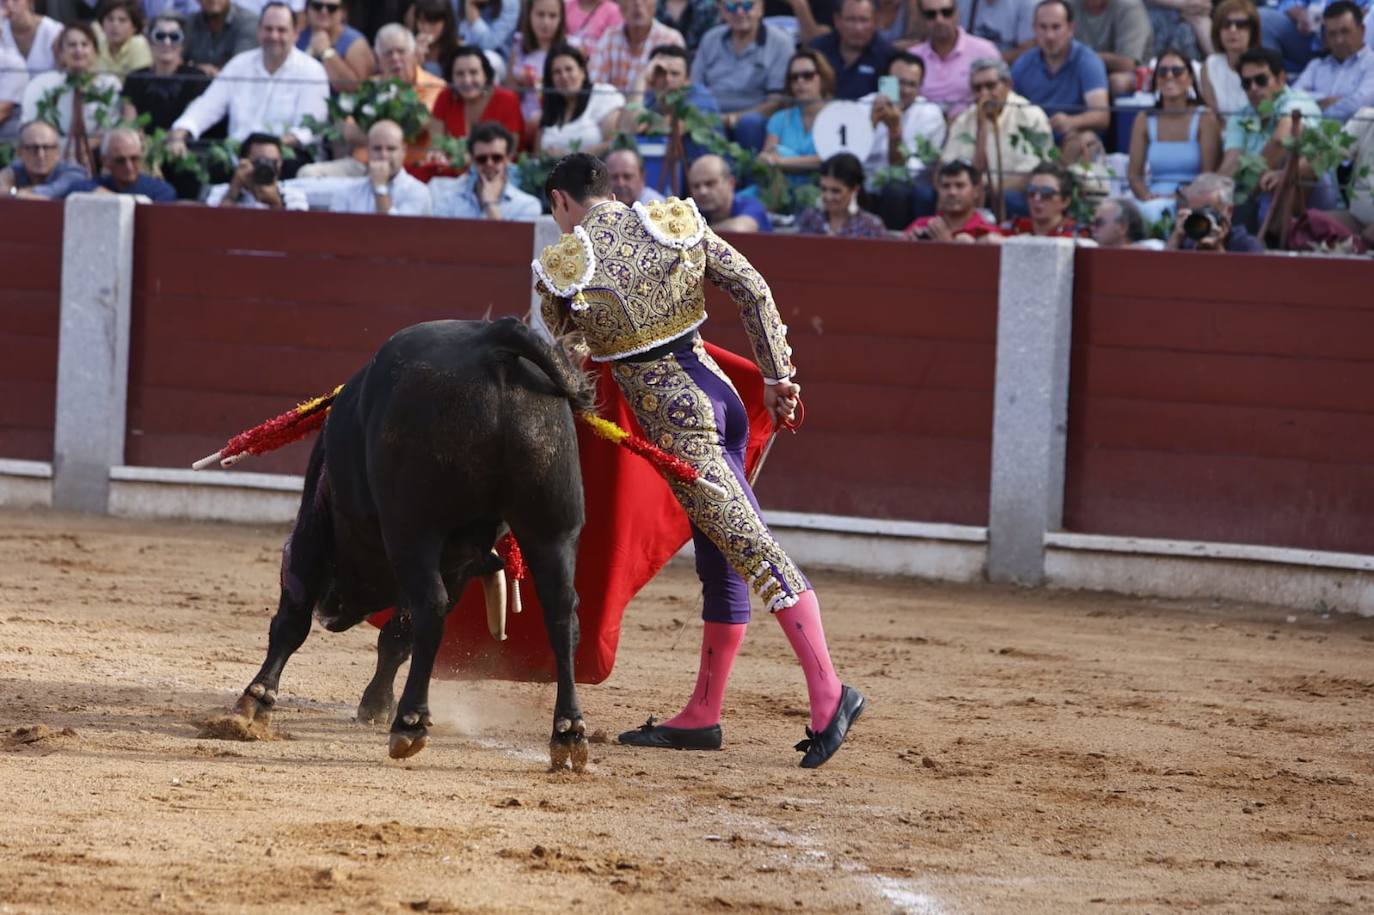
[(1173, 143), (1235, 29)]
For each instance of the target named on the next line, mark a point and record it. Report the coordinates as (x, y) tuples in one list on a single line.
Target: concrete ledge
[(25, 484), (155, 492), (1330, 581)]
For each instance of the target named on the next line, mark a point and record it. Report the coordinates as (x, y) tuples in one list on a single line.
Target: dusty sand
[(1024, 752)]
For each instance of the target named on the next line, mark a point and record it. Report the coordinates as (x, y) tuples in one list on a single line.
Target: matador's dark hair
[(579, 175)]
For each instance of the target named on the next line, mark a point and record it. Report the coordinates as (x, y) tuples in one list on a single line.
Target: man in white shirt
[(387, 188), (269, 89), (906, 122), (256, 184), (486, 191), (14, 77)]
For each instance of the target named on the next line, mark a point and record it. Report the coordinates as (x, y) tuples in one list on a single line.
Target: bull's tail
[(520, 340)]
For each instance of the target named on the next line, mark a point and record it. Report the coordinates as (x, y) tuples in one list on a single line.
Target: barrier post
[(93, 349), (545, 233), (1030, 411)]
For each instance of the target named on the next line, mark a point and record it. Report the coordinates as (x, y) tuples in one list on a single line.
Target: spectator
[(14, 78), (1203, 223), (474, 96), (541, 29), (1118, 31), (1049, 194), (40, 171), (621, 53), (387, 188), (256, 184), (1174, 143), (898, 22), (712, 187), (1235, 30), (575, 109), (743, 63), (1343, 81), (690, 18), (297, 7), (1359, 218), (906, 123), (219, 32), (30, 35), (342, 49), (1184, 25), (396, 57), (666, 73), (486, 191), (948, 54), (124, 49), (1294, 29), (76, 58), (268, 90), (1005, 116), (855, 51), (841, 179), (790, 144), (626, 167), (588, 20), (489, 24), (957, 218), (163, 90), (813, 18), (1118, 224), (1009, 24), (436, 34), (1063, 76), (121, 155), (1250, 132)]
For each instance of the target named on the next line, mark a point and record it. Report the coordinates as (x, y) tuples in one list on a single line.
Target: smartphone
[(887, 85)]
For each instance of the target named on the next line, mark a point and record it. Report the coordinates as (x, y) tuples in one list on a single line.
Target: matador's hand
[(781, 400)]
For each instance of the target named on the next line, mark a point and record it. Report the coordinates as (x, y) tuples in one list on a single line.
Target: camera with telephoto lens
[(1201, 223), (264, 172)]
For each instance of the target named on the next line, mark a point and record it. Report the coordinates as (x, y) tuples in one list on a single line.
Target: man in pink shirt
[(622, 53), (947, 55)]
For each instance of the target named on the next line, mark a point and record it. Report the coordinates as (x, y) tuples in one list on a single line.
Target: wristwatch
[(327, 53), (381, 190)]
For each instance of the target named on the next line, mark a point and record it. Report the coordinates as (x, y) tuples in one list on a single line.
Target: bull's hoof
[(374, 710), (256, 704), (568, 746), (404, 746)]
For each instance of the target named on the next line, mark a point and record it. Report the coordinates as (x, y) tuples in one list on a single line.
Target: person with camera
[(256, 184), (1204, 216)]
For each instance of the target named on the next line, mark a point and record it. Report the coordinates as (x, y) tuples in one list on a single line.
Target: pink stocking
[(719, 645), (802, 624)]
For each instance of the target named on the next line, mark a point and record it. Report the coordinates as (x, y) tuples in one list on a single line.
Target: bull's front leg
[(424, 595), (290, 626), (552, 565), (393, 647)]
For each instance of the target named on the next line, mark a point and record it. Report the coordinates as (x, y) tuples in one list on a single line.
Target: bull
[(455, 432)]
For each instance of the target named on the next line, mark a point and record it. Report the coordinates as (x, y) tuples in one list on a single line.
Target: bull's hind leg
[(424, 595), (393, 647), (552, 564)]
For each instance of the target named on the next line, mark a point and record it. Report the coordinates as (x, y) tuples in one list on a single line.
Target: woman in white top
[(30, 34), (575, 111), (76, 57), (1235, 29)]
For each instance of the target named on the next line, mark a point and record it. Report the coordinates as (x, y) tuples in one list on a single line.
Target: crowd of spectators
[(1165, 123)]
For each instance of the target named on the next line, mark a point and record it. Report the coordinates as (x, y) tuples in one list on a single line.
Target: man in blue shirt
[(486, 191), (121, 154), (40, 171), (1063, 77), (712, 186), (857, 53), (1343, 81), (743, 63)]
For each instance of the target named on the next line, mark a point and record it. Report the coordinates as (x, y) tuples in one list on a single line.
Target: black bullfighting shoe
[(820, 747), (649, 734)]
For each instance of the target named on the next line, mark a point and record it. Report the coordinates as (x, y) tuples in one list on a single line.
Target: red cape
[(634, 526)]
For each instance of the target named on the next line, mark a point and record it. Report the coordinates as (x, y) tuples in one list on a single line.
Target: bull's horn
[(515, 597), (494, 588)]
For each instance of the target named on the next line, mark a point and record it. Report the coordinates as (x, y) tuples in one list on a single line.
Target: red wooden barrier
[(895, 344), (30, 298), (1222, 398), (237, 314)]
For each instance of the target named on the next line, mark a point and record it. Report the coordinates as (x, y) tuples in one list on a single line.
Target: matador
[(630, 280)]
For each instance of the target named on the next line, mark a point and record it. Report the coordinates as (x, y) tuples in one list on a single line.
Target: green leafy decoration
[(6, 153), (110, 108)]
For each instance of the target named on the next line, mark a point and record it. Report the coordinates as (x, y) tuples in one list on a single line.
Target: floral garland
[(376, 100), (107, 115)]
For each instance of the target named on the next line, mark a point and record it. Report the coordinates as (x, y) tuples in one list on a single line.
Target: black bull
[(454, 430)]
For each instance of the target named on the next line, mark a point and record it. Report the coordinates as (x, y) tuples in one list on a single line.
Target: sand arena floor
[(1024, 752)]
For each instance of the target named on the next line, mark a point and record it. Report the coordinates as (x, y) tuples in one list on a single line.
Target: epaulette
[(672, 222), (567, 265)]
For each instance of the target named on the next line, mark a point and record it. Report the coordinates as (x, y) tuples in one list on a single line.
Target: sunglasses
[(1171, 70), (161, 37), (1041, 193), (743, 6), (489, 158), (1236, 24), (1260, 80), (800, 75), (319, 7), (948, 12)]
